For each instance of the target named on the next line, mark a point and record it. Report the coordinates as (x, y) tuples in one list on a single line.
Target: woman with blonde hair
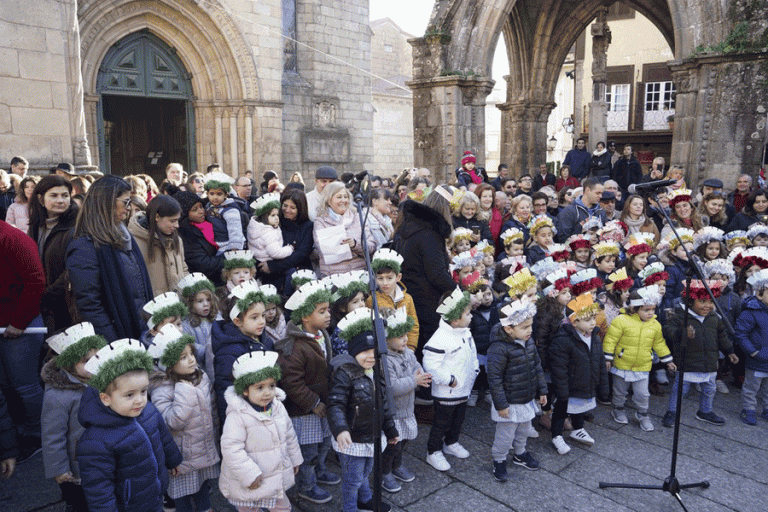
[(520, 208), (466, 214)]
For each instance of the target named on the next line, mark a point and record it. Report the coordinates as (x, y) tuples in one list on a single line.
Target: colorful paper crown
[(387, 258), (302, 276), (614, 230), (355, 323), (539, 222), (218, 180), (592, 223), (347, 284), (511, 235), (460, 234), (753, 256), (116, 359), (238, 259), (559, 252), (585, 280), (755, 229), (542, 268), (699, 292), (74, 343), (304, 300), (606, 248), (578, 242), (685, 233), (265, 204), (637, 244), (247, 294), (474, 282), (720, 266), (254, 367), (619, 281), (455, 202), (193, 283), (649, 296), (517, 312), (399, 323), (163, 307), (484, 247), (758, 281), (582, 307), (453, 305), (520, 282), (464, 259), (706, 235), (559, 280), (678, 196), (652, 273), (736, 237), (168, 345)]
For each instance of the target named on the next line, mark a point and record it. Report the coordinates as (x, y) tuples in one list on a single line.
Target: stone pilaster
[(524, 134), (598, 108)]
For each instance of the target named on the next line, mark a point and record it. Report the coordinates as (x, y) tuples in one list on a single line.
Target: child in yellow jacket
[(627, 346), (391, 293)]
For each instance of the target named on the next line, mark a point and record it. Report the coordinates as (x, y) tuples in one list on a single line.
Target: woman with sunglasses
[(109, 279)]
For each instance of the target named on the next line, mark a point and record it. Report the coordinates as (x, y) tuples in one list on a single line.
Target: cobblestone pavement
[(733, 458)]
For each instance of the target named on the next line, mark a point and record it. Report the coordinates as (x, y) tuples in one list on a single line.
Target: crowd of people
[(212, 329)]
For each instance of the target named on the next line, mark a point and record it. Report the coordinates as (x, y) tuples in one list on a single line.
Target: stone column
[(234, 163), (219, 136), (91, 108), (598, 108), (249, 110), (524, 134)]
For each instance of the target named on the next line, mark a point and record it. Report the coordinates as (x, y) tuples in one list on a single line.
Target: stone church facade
[(127, 86)]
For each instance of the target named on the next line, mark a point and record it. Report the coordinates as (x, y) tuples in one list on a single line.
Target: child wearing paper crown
[(450, 356), (542, 231), (628, 344), (163, 310), (752, 337), (305, 356), (239, 267), (273, 314), (265, 239), (126, 450), (676, 265), (259, 448), (390, 290), (65, 380), (241, 331), (516, 382), (199, 295), (349, 291), (183, 395), (223, 213), (351, 411)]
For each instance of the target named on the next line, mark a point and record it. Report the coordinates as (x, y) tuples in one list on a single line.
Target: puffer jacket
[(402, 367), (576, 367), (306, 370), (255, 445), (569, 220), (228, 226), (752, 333), (404, 300), (629, 343), (451, 353), (351, 405), (677, 270), (188, 410), (545, 326), (351, 223), (702, 351), (514, 370), (167, 267), (481, 327), (60, 428), (124, 462), (266, 242)]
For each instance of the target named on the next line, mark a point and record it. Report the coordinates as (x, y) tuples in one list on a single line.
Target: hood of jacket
[(420, 218), (342, 359), (240, 403), (57, 378), (95, 414)]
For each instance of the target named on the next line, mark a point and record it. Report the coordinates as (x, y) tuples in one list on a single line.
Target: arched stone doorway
[(146, 119)]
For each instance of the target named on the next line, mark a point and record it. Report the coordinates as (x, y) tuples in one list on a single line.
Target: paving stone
[(457, 496)]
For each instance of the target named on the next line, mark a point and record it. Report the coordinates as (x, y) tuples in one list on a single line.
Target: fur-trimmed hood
[(57, 378), (419, 217)]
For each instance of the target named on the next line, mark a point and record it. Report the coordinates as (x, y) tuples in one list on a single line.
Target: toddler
[(348, 293), (638, 250), (708, 243), (542, 231), (239, 267), (514, 243), (758, 235), (265, 239), (606, 255), (199, 295), (461, 240), (752, 336), (162, 310), (581, 251), (223, 213), (274, 330)]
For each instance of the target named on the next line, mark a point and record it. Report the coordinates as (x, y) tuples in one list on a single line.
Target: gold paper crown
[(461, 234), (519, 282), (606, 248), (511, 234), (539, 222), (583, 307), (455, 201), (619, 280)]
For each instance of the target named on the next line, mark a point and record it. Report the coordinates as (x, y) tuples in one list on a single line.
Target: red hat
[(468, 157), (698, 292)]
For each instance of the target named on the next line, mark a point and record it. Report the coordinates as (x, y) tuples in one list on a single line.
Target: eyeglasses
[(199, 180), (125, 201)]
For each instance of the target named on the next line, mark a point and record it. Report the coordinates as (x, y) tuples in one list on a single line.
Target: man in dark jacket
[(655, 172), (503, 173), (627, 170), (578, 159), (572, 218), (542, 178)]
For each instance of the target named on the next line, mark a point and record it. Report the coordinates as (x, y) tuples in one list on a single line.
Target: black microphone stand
[(671, 484), (379, 341)]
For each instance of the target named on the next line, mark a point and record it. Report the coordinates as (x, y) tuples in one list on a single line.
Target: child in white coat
[(265, 239)]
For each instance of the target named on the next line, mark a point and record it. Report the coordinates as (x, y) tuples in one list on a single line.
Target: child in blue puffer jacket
[(752, 336)]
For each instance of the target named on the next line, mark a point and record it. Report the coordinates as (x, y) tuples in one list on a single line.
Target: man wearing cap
[(323, 176), (612, 186), (714, 185), (65, 169), (614, 154), (578, 159), (608, 203)]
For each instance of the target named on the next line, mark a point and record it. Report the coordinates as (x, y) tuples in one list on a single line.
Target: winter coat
[(188, 410), (124, 462), (199, 254), (741, 221), (481, 327), (403, 301), (255, 444), (514, 371), (351, 224), (701, 353), (300, 237), (227, 225), (752, 333), (730, 302), (629, 343), (576, 368), (451, 354), (545, 327), (351, 402), (23, 282), (534, 253), (675, 284), (60, 428), (627, 172), (18, 216), (600, 164), (578, 161), (472, 224), (276, 333), (203, 343), (266, 242), (56, 301), (540, 181), (571, 219), (380, 226), (306, 371), (463, 178), (570, 181), (167, 267), (421, 242), (229, 344), (402, 367)]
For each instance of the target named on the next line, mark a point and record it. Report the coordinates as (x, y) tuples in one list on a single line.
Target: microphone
[(651, 185), (357, 178)]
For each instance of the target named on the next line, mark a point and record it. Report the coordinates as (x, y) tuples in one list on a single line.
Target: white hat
[(542, 268), (453, 305), (649, 296), (387, 258), (247, 293), (254, 367), (759, 280), (164, 306), (238, 259), (303, 301), (517, 312), (266, 203), (168, 345), (302, 276), (72, 344), (192, 283), (399, 323), (116, 359)]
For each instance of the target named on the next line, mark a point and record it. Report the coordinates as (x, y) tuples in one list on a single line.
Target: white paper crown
[(168, 334), (685, 233), (382, 256), (300, 296), (484, 246), (464, 259), (238, 255), (270, 292), (735, 236), (451, 302), (553, 278), (62, 341), (650, 269), (156, 305), (720, 266), (263, 201), (734, 253), (253, 362), (759, 280), (592, 223), (517, 312), (303, 275), (706, 235), (649, 296), (219, 176), (583, 275), (511, 234), (757, 228), (397, 321), (358, 315), (542, 268), (240, 292), (461, 233), (112, 351)]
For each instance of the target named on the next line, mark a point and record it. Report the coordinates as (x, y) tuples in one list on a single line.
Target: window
[(659, 105), (388, 48), (289, 30), (617, 98)]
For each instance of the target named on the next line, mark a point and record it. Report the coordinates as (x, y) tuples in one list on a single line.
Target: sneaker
[(29, 446), (327, 478), (619, 416), (389, 484), (709, 417), (722, 387), (748, 417), (500, 471), (526, 460), (169, 504), (645, 422), (604, 400), (472, 399), (582, 437), (661, 376), (368, 505), (456, 450), (532, 432), (437, 461), (764, 414), (560, 444), (316, 495), (669, 419), (403, 474)]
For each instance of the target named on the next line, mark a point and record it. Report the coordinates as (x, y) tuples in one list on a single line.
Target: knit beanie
[(187, 200)]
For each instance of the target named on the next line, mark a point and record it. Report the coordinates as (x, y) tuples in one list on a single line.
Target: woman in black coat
[(199, 252), (757, 204), (600, 164), (420, 239)]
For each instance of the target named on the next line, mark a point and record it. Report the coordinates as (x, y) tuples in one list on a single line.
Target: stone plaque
[(325, 146)]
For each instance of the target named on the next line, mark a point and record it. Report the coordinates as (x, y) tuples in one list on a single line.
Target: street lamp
[(551, 143)]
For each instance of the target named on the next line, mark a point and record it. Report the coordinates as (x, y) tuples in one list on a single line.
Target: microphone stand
[(671, 484), (379, 341)]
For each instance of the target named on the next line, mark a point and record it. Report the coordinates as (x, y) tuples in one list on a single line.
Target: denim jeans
[(200, 501), (706, 398), (314, 460), (354, 481), (20, 379)]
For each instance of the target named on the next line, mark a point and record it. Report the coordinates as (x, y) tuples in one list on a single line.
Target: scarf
[(474, 177), (206, 228), (635, 225), (599, 153)]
